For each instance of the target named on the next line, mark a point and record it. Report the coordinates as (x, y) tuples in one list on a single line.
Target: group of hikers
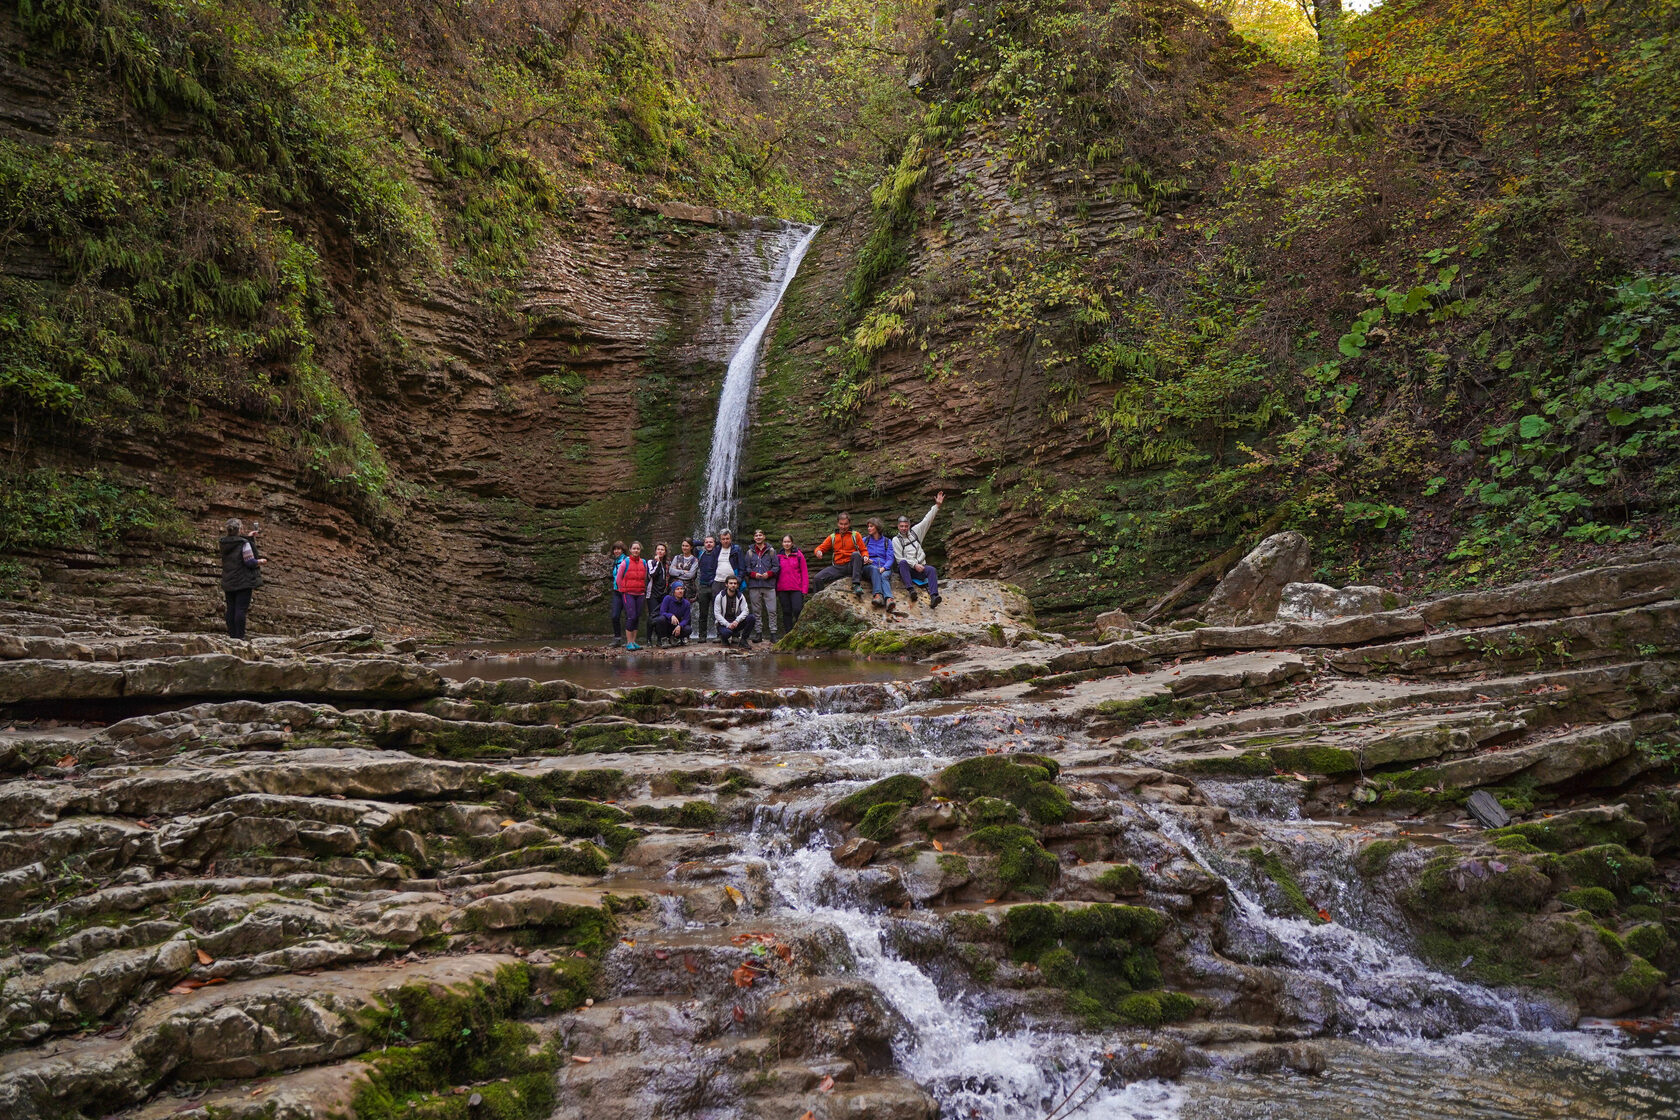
[(756, 593)]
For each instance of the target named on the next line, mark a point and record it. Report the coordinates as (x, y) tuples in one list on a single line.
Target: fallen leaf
[(67, 762), (785, 952), (688, 963), (827, 1085), (735, 895), (809, 1115), (204, 958), (1323, 914), (739, 1015), (509, 823), (938, 847), (990, 901), (180, 990), (744, 975), (661, 955), (475, 1100), (630, 941), (215, 980), (904, 723), (581, 1060)]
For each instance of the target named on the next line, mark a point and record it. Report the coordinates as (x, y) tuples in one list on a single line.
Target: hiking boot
[(630, 647), (912, 594), (618, 640), (875, 601), (933, 600), (857, 590)]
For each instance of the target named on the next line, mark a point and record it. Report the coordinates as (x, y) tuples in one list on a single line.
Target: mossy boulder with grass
[(1027, 781), (904, 789), (1021, 864), (1103, 956)]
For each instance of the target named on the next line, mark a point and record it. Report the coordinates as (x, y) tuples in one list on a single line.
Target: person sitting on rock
[(241, 573), (792, 584), (709, 554), (685, 565), (671, 623), (630, 582), (913, 568), (732, 614), (763, 569), (849, 554), (614, 559), (880, 551)]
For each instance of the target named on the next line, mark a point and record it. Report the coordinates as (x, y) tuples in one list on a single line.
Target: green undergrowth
[(1271, 865), (1021, 863), (900, 789), (1103, 956)]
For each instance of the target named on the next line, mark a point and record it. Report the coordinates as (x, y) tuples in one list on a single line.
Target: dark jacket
[(671, 605), (737, 561), (763, 565), (659, 579), (237, 575)]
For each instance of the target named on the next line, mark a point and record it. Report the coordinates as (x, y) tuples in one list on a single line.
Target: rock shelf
[(260, 879)]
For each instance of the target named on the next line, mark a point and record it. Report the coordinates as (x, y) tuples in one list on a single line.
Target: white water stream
[(719, 503)]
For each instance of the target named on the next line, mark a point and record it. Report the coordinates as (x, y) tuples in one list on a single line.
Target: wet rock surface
[(313, 878)]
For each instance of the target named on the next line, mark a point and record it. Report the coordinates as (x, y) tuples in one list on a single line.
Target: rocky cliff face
[(521, 444)]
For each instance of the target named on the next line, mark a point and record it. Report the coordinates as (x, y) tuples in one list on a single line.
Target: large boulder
[(1251, 591), (971, 611), (1306, 602)]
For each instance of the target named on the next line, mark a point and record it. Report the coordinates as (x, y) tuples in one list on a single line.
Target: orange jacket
[(843, 546)]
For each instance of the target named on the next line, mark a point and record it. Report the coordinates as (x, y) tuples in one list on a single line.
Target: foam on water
[(974, 1071)]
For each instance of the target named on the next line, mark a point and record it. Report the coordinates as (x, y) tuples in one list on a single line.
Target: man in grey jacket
[(912, 556), (763, 566)]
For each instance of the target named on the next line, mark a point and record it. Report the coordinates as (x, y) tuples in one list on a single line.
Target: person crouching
[(733, 617), (671, 622)]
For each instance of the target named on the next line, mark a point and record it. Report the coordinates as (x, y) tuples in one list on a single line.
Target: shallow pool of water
[(702, 666), (1563, 1076)]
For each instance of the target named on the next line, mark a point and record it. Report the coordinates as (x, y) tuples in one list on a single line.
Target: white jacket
[(720, 608), (909, 548)]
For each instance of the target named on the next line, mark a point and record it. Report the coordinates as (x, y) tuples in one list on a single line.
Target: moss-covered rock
[(1101, 955), (823, 624), (1594, 900), (881, 822), (1024, 780), (1122, 878), (1022, 864), (906, 789), (1271, 865), (1610, 866)]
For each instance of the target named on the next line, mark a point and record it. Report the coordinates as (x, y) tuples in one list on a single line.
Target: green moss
[(1122, 878), (1141, 1009), (901, 643), (1513, 843), (906, 789), (430, 1038), (1603, 865), (881, 822), (984, 811), (1594, 900), (1640, 980), (697, 815), (1565, 834), (1100, 954), (1375, 857), (1648, 940), (589, 819), (1248, 764), (1316, 759), (1118, 715), (1176, 1006), (823, 624), (1026, 781), (1272, 866), (1022, 865)]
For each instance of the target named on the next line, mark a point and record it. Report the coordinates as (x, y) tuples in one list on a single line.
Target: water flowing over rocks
[(313, 877)]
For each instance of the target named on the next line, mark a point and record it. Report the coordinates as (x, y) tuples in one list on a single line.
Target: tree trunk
[(1327, 20)]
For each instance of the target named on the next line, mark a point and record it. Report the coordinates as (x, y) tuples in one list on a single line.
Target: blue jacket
[(880, 551), (708, 565), (671, 605), (763, 567)]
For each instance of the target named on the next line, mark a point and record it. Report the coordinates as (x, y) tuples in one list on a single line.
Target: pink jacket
[(794, 574)]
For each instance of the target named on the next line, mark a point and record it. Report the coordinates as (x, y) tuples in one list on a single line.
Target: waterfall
[(719, 503)]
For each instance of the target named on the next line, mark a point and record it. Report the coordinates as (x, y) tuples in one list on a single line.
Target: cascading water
[(719, 503)]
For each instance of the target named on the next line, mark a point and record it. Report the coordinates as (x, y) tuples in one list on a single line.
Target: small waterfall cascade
[(719, 503)]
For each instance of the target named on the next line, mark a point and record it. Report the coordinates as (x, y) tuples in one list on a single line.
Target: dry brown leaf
[(661, 955), (509, 823), (688, 962), (735, 895), (738, 1015), (581, 1060), (827, 1085), (67, 762), (743, 976), (785, 952), (809, 1115), (938, 847), (204, 958)]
